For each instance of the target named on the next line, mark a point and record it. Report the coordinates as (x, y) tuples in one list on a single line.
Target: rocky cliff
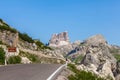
[(99, 60)]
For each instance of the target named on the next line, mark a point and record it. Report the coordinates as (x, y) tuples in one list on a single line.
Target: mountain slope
[(20, 44)]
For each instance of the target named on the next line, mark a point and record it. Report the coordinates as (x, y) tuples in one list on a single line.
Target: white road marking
[(52, 76)]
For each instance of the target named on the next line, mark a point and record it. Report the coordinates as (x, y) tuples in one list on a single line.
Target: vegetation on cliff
[(41, 45), (5, 26), (14, 60), (2, 56), (82, 75), (25, 37)]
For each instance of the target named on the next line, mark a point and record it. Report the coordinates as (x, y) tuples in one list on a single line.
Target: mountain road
[(27, 71)]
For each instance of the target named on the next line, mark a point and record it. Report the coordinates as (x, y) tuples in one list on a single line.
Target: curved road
[(27, 71)]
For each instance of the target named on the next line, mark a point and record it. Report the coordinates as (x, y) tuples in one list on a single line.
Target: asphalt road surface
[(27, 71)]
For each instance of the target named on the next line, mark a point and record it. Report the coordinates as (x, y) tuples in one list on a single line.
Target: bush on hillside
[(78, 59), (41, 45), (6, 27), (115, 52), (1, 42), (117, 56), (14, 60), (25, 37), (2, 56)]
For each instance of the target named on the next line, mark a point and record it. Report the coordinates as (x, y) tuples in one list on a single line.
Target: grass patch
[(32, 57), (115, 52), (117, 56), (75, 59), (78, 59), (36, 59)]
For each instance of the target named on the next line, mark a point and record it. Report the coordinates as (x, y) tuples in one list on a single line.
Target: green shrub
[(6, 27), (41, 45), (1, 42), (32, 57), (2, 56), (73, 68), (78, 59), (115, 53), (14, 60), (25, 37), (82, 75), (117, 56)]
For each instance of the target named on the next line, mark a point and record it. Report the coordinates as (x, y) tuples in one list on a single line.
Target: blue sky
[(81, 18)]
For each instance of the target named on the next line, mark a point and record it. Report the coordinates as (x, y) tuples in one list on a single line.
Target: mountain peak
[(96, 40), (59, 39)]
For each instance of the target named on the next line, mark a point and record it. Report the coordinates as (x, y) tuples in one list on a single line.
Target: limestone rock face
[(96, 40), (9, 38), (117, 77), (100, 57), (25, 60), (60, 39)]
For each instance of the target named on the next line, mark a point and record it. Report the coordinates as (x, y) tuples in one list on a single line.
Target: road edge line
[(52, 76)]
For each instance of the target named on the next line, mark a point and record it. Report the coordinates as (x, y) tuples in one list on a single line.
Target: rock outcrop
[(60, 39), (9, 38), (62, 45), (96, 40), (25, 60), (98, 58)]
